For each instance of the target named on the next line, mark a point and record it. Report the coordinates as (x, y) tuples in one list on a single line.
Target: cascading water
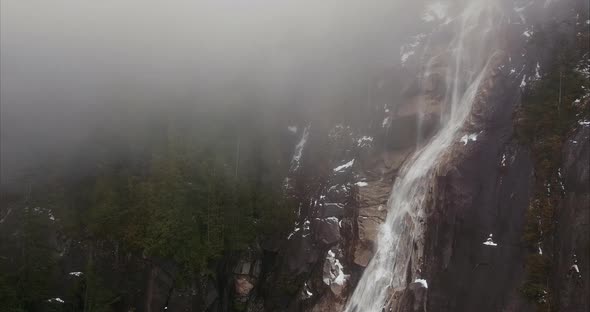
[(467, 58)]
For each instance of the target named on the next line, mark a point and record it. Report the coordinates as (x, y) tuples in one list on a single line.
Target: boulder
[(327, 210), (327, 230), (333, 274), (243, 285)]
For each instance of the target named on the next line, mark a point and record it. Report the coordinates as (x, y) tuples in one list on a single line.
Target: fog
[(66, 66)]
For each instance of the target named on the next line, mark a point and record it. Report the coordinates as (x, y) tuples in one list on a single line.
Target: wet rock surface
[(372, 210), (573, 226)]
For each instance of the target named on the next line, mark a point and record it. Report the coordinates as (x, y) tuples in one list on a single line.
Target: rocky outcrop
[(372, 210), (246, 275)]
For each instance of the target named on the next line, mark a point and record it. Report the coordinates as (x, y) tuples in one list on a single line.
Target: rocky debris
[(333, 274)]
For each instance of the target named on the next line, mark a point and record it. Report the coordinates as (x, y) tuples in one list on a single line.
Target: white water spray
[(467, 57)]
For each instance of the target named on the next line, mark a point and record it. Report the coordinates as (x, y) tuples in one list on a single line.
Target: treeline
[(551, 108), (171, 191)]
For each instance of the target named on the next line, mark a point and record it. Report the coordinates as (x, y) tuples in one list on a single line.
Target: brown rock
[(372, 200), (243, 286)]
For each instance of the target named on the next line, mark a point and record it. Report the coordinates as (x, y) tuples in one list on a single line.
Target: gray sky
[(65, 63)]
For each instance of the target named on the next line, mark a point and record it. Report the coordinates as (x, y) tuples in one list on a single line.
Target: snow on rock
[(528, 33), (490, 241), (421, 282), (584, 123), (409, 49), (560, 180), (77, 274), (523, 82), (39, 210), (361, 183), (292, 129), (364, 141), (293, 233), (307, 291), (58, 300), (468, 137), (306, 225), (385, 122), (333, 273), (503, 163), (299, 149), (538, 71), (331, 219), (305, 228), (346, 165)]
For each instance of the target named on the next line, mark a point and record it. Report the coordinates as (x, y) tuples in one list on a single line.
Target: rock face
[(573, 227), (327, 230), (481, 192), (372, 210), (246, 276)]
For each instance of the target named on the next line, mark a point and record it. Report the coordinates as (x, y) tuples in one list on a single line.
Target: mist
[(68, 68)]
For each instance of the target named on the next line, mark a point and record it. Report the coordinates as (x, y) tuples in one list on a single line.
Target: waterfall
[(467, 58)]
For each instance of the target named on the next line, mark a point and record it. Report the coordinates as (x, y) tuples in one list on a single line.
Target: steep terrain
[(461, 183)]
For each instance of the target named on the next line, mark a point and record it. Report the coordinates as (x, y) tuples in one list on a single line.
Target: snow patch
[(489, 241), (292, 129), (421, 282), (58, 300), (560, 180), (297, 229), (538, 71), (468, 137), (528, 33), (299, 149), (361, 183), (336, 274), (385, 122), (409, 49), (364, 141), (78, 274), (39, 210), (306, 291), (346, 165), (523, 82)]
